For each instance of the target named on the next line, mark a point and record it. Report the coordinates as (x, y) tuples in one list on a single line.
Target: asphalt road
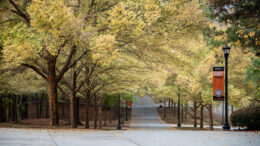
[(145, 115), (146, 130)]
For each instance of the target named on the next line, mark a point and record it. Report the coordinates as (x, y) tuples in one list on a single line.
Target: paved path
[(146, 130), (145, 115)]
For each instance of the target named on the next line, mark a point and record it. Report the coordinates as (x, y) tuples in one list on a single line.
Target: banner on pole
[(218, 83), (129, 104)]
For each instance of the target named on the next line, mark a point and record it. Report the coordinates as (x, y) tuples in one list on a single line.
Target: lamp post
[(118, 112), (222, 121), (178, 110), (226, 51)]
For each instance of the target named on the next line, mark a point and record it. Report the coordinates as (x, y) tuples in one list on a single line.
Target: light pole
[(222, 121), (118, 112), (178, 110), (226, 51)]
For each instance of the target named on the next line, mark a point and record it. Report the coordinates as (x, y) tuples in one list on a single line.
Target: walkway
[(146, 130), (145, 115)]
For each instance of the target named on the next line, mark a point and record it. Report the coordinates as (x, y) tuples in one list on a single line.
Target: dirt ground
[(64, 124)]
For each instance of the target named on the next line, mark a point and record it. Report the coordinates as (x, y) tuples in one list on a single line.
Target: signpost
[(218, 83)]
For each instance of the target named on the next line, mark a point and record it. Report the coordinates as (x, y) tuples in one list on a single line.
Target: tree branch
[(66, 65), (63, 91), (19, 12), (81, 85), (37, 70), (74, 63)]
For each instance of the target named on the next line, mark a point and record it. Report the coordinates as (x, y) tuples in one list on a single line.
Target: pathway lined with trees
[(146, 129), (95, 50)]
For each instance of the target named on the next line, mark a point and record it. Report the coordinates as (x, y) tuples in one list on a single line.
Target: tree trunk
[(105, 116), (54, 115), (182, 113), (164, 109), (186, 110), (174, 109), (172, 105), (201, 116), (87, 113), (77, 111), (40, 115), (14, 109), (73, 118), (95, 112), (110, 115), (9, 109), (99, 116), (46, 108), (195, 113), (19, 111), (210, 117), (1, 110), (87, 96), (36, 105), (169, 103), (24, 111)]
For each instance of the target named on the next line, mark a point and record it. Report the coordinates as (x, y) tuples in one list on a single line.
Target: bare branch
[(19, 12), (80, 85), (37, 70), (66, 65), (74, 63), (63, 92)]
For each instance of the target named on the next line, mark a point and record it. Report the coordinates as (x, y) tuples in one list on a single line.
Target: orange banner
[(218, 83), (129, 104)]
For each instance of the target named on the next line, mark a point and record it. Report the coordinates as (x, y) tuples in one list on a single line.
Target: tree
[(43, 38)]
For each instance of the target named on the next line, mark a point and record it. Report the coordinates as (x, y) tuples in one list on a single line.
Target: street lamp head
[(226, 50)]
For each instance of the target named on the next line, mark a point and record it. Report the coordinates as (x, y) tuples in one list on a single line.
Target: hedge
[(248, 117)]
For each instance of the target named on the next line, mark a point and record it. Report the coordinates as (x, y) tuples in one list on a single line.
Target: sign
[(218, 83), (129, 104)]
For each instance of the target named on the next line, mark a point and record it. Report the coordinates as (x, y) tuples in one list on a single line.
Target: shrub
[(248, 117)]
